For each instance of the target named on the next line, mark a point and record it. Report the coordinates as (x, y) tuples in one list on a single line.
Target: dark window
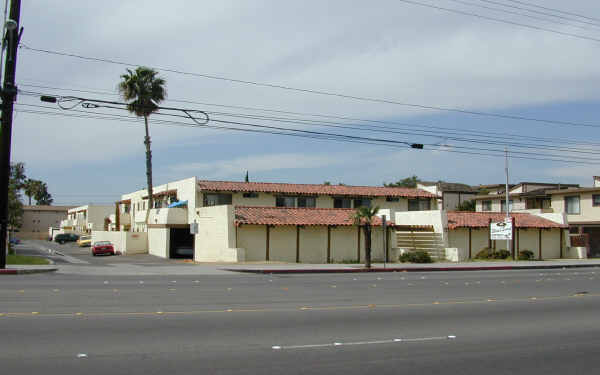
[(285, 201), (342, 203), (307, 202), (362, 202), (250, 195), (596, 200), (392, 199), (486, 205), (572, 205), (214, 199), (503, 205), (419, 204)]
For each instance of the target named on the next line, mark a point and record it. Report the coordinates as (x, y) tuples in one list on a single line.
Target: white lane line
[(391, 341)]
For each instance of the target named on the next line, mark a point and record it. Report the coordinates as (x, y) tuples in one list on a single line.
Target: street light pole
[(506, 191), (9, 95)]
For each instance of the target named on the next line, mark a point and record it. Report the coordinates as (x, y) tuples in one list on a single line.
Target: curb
[(421, 269), (22, 271)]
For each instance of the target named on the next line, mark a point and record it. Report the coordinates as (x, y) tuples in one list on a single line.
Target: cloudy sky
[(397, 51)]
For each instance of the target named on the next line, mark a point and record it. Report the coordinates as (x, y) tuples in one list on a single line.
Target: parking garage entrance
[(181, 243)]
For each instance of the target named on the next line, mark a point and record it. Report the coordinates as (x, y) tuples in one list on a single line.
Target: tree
[(363, 216), (16, 183), (42, 196), (247, 178), (143, 90), (327, 183), (466, 206), (30, 188), (409, 182)]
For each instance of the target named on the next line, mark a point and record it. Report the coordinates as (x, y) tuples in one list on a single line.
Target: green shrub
[(416, 257), (526, 255), (489, 253)]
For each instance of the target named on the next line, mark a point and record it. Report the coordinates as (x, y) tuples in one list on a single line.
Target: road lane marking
[(81, 355), (353, 343)]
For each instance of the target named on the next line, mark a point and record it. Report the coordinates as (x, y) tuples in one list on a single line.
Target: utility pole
[(506, 191), (9, 95)]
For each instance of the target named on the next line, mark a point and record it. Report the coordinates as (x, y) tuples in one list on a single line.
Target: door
[(181, 244)]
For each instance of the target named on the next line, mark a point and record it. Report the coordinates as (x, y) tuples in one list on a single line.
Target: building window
[(596, 200), (307, 202), (362, 202), (126, 208), (419, 204), (392, 199), (572, 205), (503, 205), (342, 203), (285, 201), (486, 205), (215, 199), (250, 195)]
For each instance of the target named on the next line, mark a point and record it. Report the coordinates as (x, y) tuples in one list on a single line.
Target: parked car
[(103, 247), (84, 241), (66, 237), (14, 241)]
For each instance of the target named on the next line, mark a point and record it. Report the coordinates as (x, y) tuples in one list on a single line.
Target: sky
[(395, 51)]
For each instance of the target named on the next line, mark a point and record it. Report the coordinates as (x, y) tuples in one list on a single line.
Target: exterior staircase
[(430, 242)]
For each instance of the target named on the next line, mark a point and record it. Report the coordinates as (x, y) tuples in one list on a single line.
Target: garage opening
[(182, 244)]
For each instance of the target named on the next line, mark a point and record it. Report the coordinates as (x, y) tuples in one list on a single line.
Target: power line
[(343, 138), (320, 92), (464, 13), (438, 130), (519, 14), (554, 10), (539, 12)]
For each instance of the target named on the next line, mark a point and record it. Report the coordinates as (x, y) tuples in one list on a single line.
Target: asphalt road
[(512, 322)]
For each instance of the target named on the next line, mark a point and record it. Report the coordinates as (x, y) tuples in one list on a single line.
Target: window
[(486, 205), (285, 201), (503, 205), (572, 205), (126, 208), (158, 203), (362, 202), (342, 203), (215, 199), (392, 199), (307, 202), (596, 200), (419, 204), (250, 195)]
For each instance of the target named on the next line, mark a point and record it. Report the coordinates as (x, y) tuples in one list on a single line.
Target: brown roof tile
[(458, 219), (313, 189), (295, 216)]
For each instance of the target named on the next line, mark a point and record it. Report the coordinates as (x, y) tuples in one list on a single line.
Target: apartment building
[(450, 194), (522, 196), (84, 219), (37, 220)]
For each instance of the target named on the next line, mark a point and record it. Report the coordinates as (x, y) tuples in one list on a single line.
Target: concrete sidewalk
[(27, 269), (412, 267)]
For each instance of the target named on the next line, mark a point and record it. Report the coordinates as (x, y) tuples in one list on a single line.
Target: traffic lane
[(516, 338), (69, 294)]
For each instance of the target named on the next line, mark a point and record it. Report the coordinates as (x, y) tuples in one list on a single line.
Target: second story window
[(419, 204), (362, 202), (282, 201), (342, 203), (250, 195), (572, 205), (125, 208), (215, 199), (596, 200), (486, 205), (392, 199), (307, 202), (503, 205)]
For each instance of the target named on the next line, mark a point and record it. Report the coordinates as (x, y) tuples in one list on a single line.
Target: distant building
[(37, 220), (521, 197), (450, 194)]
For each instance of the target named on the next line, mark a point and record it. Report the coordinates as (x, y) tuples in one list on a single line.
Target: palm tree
[(30, 187), (363, 216), (143, 90)]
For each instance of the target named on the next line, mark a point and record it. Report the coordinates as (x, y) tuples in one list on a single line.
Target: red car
[(103, 247)]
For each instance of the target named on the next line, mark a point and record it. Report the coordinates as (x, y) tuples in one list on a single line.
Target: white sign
[(501, 230)]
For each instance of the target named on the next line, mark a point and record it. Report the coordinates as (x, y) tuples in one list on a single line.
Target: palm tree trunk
[(367, 229), (148, 170)]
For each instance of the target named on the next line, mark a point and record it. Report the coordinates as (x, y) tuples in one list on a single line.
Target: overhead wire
[(320, 92), (554, 10)]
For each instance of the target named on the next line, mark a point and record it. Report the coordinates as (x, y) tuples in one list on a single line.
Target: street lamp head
[(10, 25)]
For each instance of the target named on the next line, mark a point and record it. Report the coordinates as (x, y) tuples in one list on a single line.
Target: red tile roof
[(458, 219), (313, 189), (296, 216)]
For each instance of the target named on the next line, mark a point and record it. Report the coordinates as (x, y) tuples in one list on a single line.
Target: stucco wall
[(158, 239), (313, 245), (282, 243), (125, 242), (216, 237), (343, 243), (587, 211), (253, 239)]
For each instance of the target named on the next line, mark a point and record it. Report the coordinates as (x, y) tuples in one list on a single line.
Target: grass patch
[(24, 259)]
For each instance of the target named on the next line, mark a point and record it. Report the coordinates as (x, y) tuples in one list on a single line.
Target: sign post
[(385, 252), (502, 230)]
